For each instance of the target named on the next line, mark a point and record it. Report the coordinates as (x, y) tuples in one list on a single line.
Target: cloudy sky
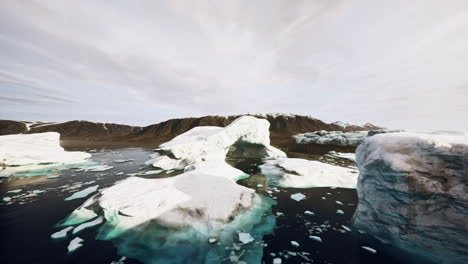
[(395, 63)]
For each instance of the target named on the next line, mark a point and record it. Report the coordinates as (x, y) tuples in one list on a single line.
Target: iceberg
[(245, 238), (412, 193), (62, 233), (83, 226), (337, 138), (298, 197), (75, 244), (247, 136), (15, 191), (28, 152), (301, 173), (83, 193)]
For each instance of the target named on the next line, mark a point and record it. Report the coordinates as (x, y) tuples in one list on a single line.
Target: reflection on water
[(28, 221)]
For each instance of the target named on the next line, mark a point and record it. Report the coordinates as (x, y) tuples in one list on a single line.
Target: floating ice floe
[(369, 249), (38, 191), (339, 211), (412, 192), (62, 233), (316, 238), (212, 240), (338, 138), (309, 212), (298, 197), (83, 226), (338, 202), (346, 228), (277, 261), (15, 191), (6, 199), (294, 244), (97, 168), (122, 160), (75, 244), (301, 173), (349, 156), (82, 194), (245, 238), (247, 136), (29, 152)]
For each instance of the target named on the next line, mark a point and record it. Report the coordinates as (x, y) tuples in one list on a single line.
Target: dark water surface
[(27, 222)]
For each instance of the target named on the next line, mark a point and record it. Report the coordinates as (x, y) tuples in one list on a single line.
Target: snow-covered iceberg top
[(248, 135), (412, 192), (301, 173), (338, 138), (27, 150)]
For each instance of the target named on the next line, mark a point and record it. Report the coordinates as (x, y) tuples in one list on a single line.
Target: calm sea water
[(27, 223)]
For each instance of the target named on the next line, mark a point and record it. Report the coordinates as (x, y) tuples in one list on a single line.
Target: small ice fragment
[(369, 249), (98, 168), (346, 228), (294, 243), (83, 193), (212, 240), (279, 214), (6, 199), (338, 202), (62, 233), (38, 191), (323, 198), (75, 244), (309, 212), (53, 177), (151, 172), (339, 211), (329, 194), (83, 226), (277, 261), (298, 197), (259, 185), (169, 171), (245, 238), (15, 191), (120, 173), (316, 238)]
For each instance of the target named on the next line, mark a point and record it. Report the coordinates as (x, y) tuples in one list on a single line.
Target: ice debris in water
[(309, 212), (259, 185), (297, 196), (277, 261), (97, 168), (38, 191), (120, 261), (339, 211), (122, 160), (369, 249), (294, 243), (212, 240), (15, 191), (6, 199), (83, 226), (245, 238), (151, 172), (316, 238), (346, 228), (75, 244), (62, 233), (53, 177), (84, 193), (338, 202)]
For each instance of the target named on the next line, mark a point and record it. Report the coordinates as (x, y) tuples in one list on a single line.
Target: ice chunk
[(316, 238), (277, 261), (212, 240), (301, 173), (97, 168), (26, 152), (369, 249), (337, 138), (151, 172), (75, 244), (309, 212), (79, 215), (15, 191), (245, 238), (82, 194), (349, 156), (53, 177), (298, 196), (6, 199), (294, 243), (338, 202), (38, 191), (83, 226), (122, 160), (339, 211), (62, 233), (346, 228), (213, 143), (259, 185)]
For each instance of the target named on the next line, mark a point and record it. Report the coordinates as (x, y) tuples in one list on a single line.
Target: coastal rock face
[(9, 127), (413, 193)]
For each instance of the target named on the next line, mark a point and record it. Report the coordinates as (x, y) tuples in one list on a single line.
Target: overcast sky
[(399, 63)]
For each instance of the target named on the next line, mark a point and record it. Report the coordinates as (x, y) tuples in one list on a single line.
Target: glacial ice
[(75, 244), (27, 152), (301, 173), (331, 138), (298, 197), (83, 226), (83, 193), (412, 193), (62, 233), (247, 134), (245, 238)]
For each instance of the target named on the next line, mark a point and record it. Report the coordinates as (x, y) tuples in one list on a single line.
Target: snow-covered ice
[(25, 152), (83, 193), (75, 244), (245, 238), (301, 173)]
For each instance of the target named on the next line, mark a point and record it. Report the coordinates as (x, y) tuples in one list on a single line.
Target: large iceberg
[(338, 138), (301, 173), (413, 193), (247, 136), (35, 152)]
